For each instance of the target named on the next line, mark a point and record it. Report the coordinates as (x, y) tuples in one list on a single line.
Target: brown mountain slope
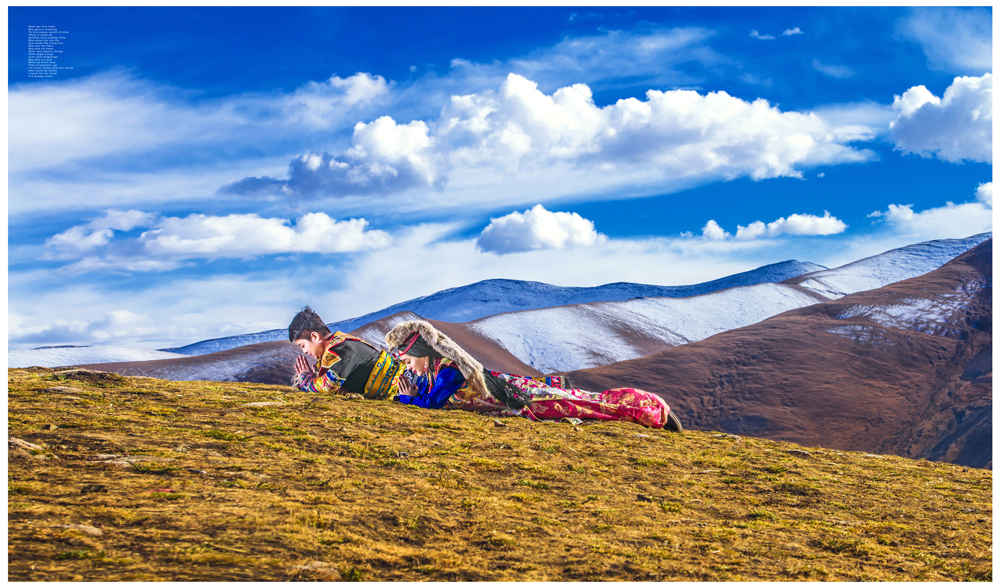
[(905, 369), (264, 363)]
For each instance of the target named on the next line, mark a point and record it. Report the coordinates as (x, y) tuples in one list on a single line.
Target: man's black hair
[(306, 322)]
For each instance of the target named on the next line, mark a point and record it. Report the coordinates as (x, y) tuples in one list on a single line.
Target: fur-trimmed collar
[(470, 368)]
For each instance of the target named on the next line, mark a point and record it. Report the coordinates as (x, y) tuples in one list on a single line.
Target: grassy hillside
[(143, 479)]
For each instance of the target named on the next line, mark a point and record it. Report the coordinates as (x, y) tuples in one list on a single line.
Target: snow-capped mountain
[(904, 369), (583, 336), (60, 356), (489, 297), (886, 268)]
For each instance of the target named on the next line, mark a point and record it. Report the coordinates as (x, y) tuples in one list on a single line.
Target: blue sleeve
[(448, 381)]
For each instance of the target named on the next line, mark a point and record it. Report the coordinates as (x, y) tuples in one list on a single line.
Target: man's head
[(309, 332)]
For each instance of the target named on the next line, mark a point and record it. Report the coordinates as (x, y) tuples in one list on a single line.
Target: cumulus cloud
[(950, 221), (538, 228), (834, 71), (954, 128), (385, 157), (795, 224), (955, 40), (757, 35), (984, 194), (197, 236), (680, 134), (790, 32), (713, 232), (248, 235)]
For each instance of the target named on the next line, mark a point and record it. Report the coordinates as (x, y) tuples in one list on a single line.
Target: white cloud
[(64, 121), (795, 224), (954, 128), (984, 194), (713, 232), (323, 104), (834, 71), (757, 35), (945, 222), (538, 228), (248, 235), (199, 236), (81, 238), (790, 32), (678, 134), (955, 40), (99, 231)]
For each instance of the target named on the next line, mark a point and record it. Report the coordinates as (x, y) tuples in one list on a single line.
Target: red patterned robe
[(550, 400), (619, 404)]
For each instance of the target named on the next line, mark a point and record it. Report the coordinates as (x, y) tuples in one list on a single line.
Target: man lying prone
[(343, 363)]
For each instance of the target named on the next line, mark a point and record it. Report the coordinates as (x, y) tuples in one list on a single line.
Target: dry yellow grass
[(317, 488)]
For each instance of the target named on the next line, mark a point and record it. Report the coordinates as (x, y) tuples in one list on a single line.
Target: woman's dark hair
[(306, 322), (505, 392)]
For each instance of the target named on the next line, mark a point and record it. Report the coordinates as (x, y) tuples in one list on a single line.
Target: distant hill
[(885, 268), (491, 297), (903, 369), (582, 336), (73, 354)]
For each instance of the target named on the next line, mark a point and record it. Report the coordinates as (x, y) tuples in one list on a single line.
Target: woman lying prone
[(448, 377)]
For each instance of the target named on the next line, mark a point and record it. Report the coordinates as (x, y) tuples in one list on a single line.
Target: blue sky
[(202, 172)]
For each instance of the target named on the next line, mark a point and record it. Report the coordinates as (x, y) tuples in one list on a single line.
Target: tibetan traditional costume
[(457, 381), (352, 365)]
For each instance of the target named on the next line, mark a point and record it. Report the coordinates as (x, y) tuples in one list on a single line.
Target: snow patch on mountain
[(589, 335), (887, 268), (63, 356), (943, 316)]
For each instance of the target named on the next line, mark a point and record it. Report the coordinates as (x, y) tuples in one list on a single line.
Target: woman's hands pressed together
[(407, 388)]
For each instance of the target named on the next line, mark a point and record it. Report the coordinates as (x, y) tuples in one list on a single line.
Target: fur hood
[(470, 368)]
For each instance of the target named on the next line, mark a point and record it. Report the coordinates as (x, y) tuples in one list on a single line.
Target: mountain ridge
[(497, 296)]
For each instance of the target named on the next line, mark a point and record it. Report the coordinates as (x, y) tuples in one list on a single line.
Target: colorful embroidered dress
[(449, 389), (352, 365), (442, 387)]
